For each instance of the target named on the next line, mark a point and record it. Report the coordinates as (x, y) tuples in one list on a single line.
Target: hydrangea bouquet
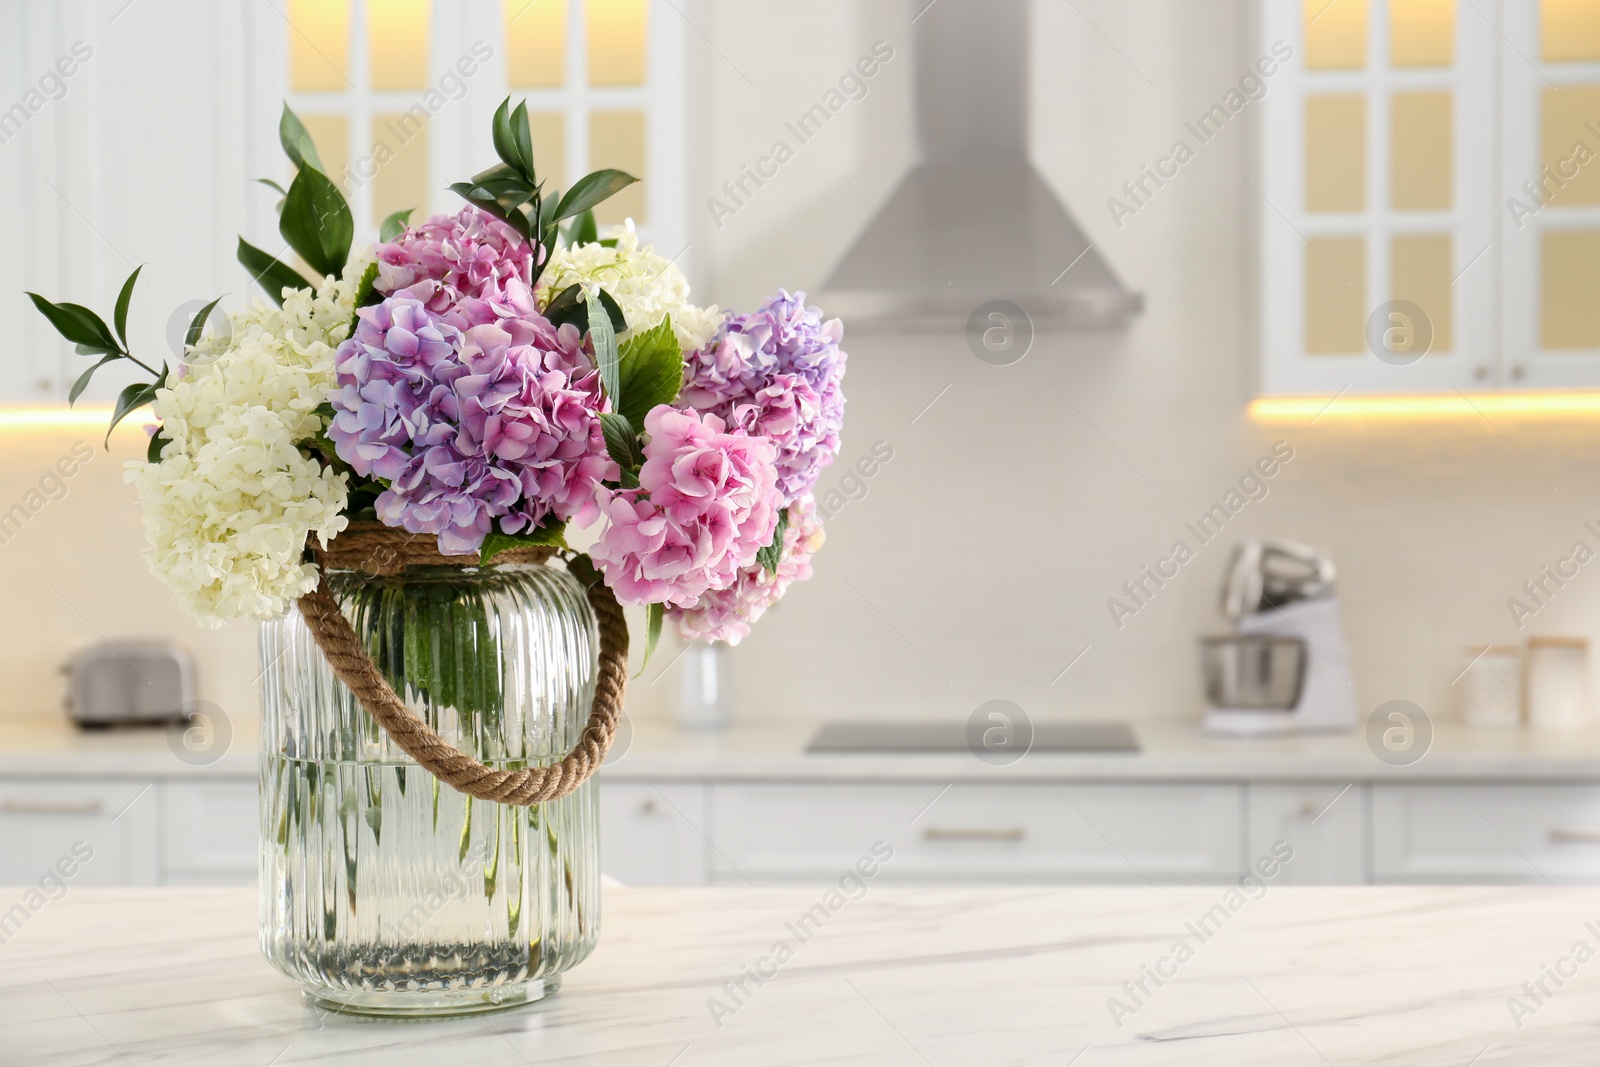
[(489, 379)]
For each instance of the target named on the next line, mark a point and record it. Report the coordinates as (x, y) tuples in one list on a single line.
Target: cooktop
[(835, 737)]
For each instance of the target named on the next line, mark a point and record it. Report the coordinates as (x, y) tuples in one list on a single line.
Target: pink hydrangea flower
[(469, 418), (707, 502), (468, 254), (728, 614)]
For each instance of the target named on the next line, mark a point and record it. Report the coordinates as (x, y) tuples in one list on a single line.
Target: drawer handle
[(51, 807), (942, 833), (1562, 835)]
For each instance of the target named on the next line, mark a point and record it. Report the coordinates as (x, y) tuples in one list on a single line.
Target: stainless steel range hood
[(973, 221)]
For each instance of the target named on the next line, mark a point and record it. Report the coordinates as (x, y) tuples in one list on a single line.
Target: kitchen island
[(1267, 974)]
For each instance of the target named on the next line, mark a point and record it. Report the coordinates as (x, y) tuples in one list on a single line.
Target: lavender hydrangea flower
[(776, 373), (470, 417)]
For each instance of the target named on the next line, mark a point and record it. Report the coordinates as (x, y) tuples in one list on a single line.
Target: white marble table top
[(1414, 976)]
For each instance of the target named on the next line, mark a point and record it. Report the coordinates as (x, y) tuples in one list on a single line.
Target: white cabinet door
[(1325, 825), (810, 833), (104, 832), (654, 834), (1502, 834), (210, 833)]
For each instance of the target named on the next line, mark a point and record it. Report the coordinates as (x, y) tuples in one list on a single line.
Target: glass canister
[(1491, 688), (384, 891), (1558, 683)]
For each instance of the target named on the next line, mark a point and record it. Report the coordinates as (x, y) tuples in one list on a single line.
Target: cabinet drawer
[(1486, 833), (103, 832), (654, 834), (803, 833), (209, 832)]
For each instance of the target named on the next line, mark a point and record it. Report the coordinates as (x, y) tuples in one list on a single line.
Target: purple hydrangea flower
[(776, 373), (469, 417)]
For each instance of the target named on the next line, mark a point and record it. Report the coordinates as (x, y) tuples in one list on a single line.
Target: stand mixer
[(1286, 667)]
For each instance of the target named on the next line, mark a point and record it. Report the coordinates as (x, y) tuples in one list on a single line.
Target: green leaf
[(522, 138), (270, 184), (621, 441), (132, 398), (271, 274), (197, 325), (504, 146), (120, 315), (83, 379), (651, 368), (77, 324), (366, 295), (604, 338), (297, 142), (582, 230), (551, 533), (152, 451), (653, 614), (769, 556), (590, 190), (395, 225), (569, 306), (581, 567), (317, 223)]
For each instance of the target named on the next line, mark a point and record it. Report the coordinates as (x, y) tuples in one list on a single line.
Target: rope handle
[(533, 785)]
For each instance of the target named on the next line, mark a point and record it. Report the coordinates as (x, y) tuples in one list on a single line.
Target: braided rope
[(354, 667)]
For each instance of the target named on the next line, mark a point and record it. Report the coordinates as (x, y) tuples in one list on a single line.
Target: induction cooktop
[(835, 737)]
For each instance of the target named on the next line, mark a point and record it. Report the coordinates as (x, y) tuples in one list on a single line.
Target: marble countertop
[(1414, 976), (49, 746)]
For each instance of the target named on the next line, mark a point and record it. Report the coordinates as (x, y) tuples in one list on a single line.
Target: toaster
[(130, 682)]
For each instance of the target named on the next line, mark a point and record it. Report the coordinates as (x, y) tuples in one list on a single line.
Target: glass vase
[(384, 891)]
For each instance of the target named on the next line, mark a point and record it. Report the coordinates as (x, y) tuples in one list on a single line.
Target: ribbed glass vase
[(384, 891)]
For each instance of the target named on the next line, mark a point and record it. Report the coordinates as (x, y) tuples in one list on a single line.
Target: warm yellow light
[(1450, 405), (46, 416)]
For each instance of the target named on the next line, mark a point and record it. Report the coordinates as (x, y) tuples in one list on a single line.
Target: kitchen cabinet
[(655, 833), (1325, 825), (1486, 833), (1425, 221), (104, 832), (209, 833), (1083, 833)]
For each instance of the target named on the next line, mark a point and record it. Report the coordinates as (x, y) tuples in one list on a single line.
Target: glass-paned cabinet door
[(1374, 196), (1550, 219)]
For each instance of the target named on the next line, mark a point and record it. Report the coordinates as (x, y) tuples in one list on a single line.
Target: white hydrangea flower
[(228, 508), (647, 286)]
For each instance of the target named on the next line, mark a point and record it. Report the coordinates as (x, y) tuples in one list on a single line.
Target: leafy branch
[(512, 192), (91, 336)]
